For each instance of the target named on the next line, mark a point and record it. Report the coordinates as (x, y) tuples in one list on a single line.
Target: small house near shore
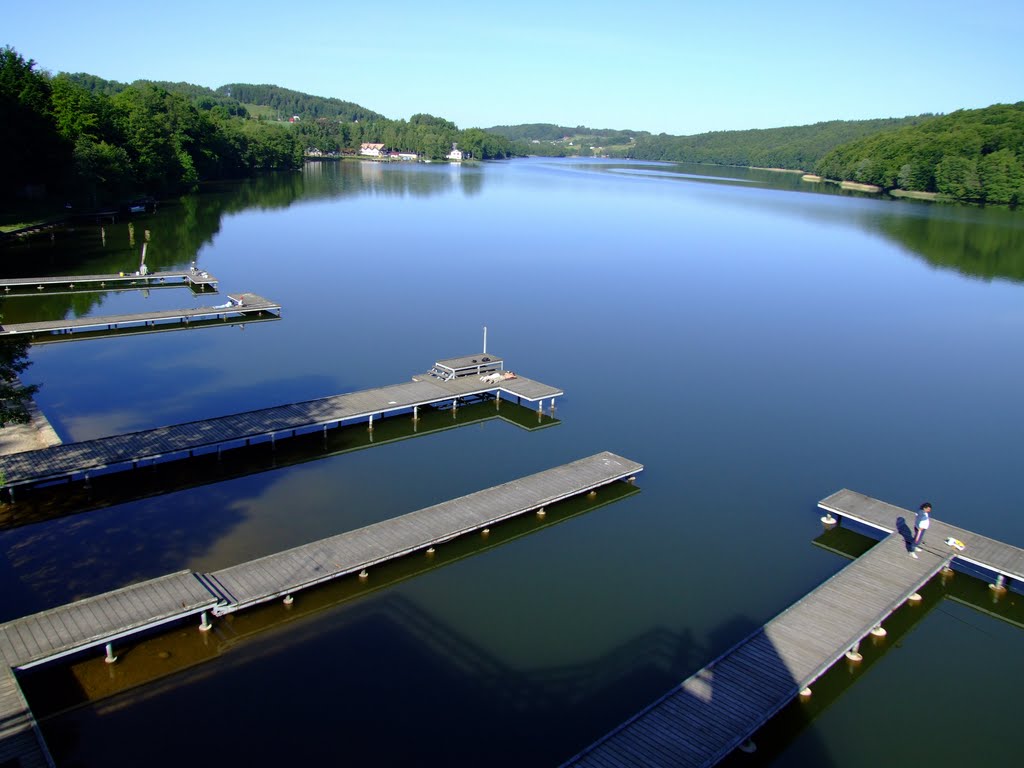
[(371, 150)]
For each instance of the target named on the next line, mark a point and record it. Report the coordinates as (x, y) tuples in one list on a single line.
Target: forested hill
[(288, 103), (552, 132), (794, 147), (80, 140), (970, 154)]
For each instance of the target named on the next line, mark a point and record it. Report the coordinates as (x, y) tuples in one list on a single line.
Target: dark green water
[(756, 344)]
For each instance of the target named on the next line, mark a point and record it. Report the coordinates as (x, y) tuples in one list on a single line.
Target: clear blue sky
[(679, 67)]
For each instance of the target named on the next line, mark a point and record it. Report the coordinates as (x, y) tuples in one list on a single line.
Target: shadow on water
[(49, 502)]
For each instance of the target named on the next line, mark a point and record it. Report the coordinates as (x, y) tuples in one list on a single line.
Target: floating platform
[(279, 422), (197, 279), (103, 619), (716, 710), (239, 307), (49, 502), (998, 557)]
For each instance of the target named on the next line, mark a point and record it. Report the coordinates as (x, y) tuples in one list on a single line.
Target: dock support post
[(273, 442), (748, 747), (1000, 585), (205, 625), (415, 413), (371, 423), (540, 406), (288, 600), (878, 631), (110, 658), (854, 653), (827, 519)]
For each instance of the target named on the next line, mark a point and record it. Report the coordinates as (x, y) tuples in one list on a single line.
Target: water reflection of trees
[(986, 243)]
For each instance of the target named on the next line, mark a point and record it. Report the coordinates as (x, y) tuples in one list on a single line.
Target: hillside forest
[(89, 141)]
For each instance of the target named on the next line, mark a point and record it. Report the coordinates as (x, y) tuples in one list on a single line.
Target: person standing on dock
[(921, 522)]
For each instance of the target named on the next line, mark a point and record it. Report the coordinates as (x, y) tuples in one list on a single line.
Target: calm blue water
[(756, 343)]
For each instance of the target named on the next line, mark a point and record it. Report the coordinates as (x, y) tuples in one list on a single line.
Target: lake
[(755, 341)]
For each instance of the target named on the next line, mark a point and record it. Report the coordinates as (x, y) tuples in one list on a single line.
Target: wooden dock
[(279, 422), (195, 279), (239, 306), (719, 708), (104, 619), (49, 502), (21, 743), (1005, 560), (286, 572)]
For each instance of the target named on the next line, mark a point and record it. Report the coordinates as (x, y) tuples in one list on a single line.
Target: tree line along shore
[(81, 140)]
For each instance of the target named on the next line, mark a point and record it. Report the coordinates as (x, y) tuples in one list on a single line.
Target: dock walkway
[(102, 619), (105, 618), (196, 279), (239, 305), (21, 743), (1006, 560), (718, 708), (126, 450), (280, 574)]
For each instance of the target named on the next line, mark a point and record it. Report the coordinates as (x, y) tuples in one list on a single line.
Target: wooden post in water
[(205, 625), (110, 658)]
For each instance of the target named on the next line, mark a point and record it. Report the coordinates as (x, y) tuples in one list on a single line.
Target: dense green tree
[(975, 154), (33, 151)]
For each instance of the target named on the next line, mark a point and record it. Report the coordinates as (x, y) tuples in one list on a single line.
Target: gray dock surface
[(106, 618), (101, 619), (718, 708), (251, 305), (21, 743), (65, 460), (185, 277), (285, 572), (998, 556)]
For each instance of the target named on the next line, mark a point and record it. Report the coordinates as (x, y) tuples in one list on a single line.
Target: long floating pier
[(239, 305), (106, 618), (128, 450), (717, 709), (194, 278), (104, 490)]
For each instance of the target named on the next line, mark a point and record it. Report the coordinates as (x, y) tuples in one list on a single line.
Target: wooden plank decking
[(21, 743), (241, 304), (285, 572), (718, 708), (101, 619), (196, 278), (65, 460), (997, 556), (105, 618)]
